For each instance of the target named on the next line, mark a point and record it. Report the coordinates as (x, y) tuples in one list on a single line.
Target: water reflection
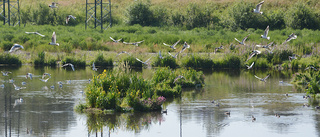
[(39, 110)]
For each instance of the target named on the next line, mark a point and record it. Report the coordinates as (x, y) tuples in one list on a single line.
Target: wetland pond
[(44, 110)]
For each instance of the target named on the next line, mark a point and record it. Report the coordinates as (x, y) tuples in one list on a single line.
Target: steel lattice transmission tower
[(98, 14), (10, 12)]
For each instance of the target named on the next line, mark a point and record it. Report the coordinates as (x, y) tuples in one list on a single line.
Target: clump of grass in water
[(101, 61), (119, 89), (9, 59), (167, 61)]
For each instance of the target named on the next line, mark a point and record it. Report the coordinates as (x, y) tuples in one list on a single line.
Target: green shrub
[(132, 62), (301, 16), (40, 60), (6, 45), (197, 62), (140, 13), (9, 59), (101, 61), (167, 61)]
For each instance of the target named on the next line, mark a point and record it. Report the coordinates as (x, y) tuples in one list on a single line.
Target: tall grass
[(8, 59)]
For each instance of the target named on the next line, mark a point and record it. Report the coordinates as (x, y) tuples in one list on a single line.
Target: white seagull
[(172, 46), (294, 56), (243, 40), (265, 35), (146, 62), (258, 7), (94, 67), (17, 87), (268, 46), (69, 64), (15, 47), (291, 37), (185, 46), (68, 18), (160, 56), (255, 52), (45, 80), (53, 5), (249, 67), (54, 39), (175, 56), (216, 49), (122, 52), (134, 43), (115, 41), (37, 33), (29, 75), (5, 73), (262, 79), (178, 77), (46, 74)]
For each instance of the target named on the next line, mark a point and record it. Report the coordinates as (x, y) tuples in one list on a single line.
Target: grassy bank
[(120, 90)]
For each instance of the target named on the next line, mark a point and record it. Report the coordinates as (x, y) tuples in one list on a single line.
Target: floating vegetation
[(121, 91), (308, 80)]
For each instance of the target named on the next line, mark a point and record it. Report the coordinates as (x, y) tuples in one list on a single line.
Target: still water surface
[(46, 111)]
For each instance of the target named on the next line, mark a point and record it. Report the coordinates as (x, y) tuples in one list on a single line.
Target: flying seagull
[(175, 56), (37, 33), (185, 46), (216, 49), (160, 56), (17, 87), (294, 56), (69, 64), (266, 46), (178, 77), (5, 73), (249, 67), (116, 41), (265, 35), (94, 67), (134, 43), (255, 52), (262, 79), (243, 40), (29, 75), (53, 5), (46, 74), (122, 52), (172, 46), (15, 47), (68, 18), (146, 62), (45, 80), (54, 39), (291, 37), (258, 7)]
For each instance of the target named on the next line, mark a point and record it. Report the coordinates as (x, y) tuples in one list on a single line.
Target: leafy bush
[(167, 61), (40, 60), (9, 59), (301, 16), (140, 13), (101, 61), (132, 62), (197, 62)]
